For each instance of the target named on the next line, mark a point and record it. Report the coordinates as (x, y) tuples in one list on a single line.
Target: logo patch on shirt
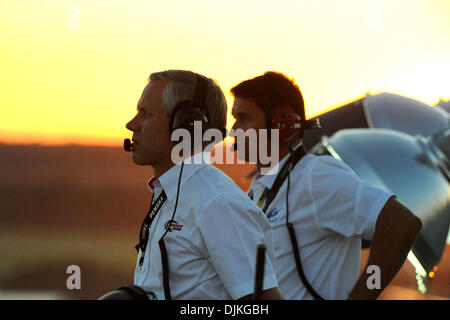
[(272, 213), (173, 226)]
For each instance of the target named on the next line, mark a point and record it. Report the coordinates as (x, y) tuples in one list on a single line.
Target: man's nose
[(132, 125)]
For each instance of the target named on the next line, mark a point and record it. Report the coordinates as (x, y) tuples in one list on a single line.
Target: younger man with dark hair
[(329, 208)]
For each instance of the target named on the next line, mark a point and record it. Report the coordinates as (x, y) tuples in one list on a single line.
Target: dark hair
[(270, 90)]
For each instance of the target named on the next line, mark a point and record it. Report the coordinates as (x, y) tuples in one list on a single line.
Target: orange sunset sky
[(73, 71)]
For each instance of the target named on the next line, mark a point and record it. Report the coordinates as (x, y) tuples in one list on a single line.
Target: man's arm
[(395, 233), (269, 294)]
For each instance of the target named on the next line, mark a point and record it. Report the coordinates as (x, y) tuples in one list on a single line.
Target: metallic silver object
[(403, 146)]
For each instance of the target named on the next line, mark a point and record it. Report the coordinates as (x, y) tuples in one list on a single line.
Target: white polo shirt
[(213, 242), (331, 210)]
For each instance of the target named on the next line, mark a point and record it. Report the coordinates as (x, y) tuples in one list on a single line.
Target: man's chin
[(138, 160)]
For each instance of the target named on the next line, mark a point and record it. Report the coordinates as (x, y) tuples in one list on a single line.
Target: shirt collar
[(169, 180), (268, 179), (151, 183)]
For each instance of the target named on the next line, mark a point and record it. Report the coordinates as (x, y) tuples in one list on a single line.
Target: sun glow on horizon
[(73, 71)]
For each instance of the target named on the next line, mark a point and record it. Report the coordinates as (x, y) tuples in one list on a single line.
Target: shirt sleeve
[(344, 203), (232, 227)]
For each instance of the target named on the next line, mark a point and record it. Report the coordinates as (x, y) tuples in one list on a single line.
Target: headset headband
[(201, 86)]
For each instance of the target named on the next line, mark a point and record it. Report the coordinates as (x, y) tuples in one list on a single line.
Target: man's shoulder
[(210, 182), (312, 162), (323, 172)]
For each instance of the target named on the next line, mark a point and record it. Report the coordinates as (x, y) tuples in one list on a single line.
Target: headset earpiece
[(184, 115), (187, 111)]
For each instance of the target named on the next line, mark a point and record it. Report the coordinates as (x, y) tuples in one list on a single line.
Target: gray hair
[(181, 87)]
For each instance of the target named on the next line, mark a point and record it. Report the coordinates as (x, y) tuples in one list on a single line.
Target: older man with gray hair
[(200, 236)]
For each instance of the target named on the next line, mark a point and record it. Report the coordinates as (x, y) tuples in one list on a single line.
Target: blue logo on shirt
[(273, 213)]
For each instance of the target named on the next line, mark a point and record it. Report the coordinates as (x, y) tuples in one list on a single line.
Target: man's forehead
[(244, 106)]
